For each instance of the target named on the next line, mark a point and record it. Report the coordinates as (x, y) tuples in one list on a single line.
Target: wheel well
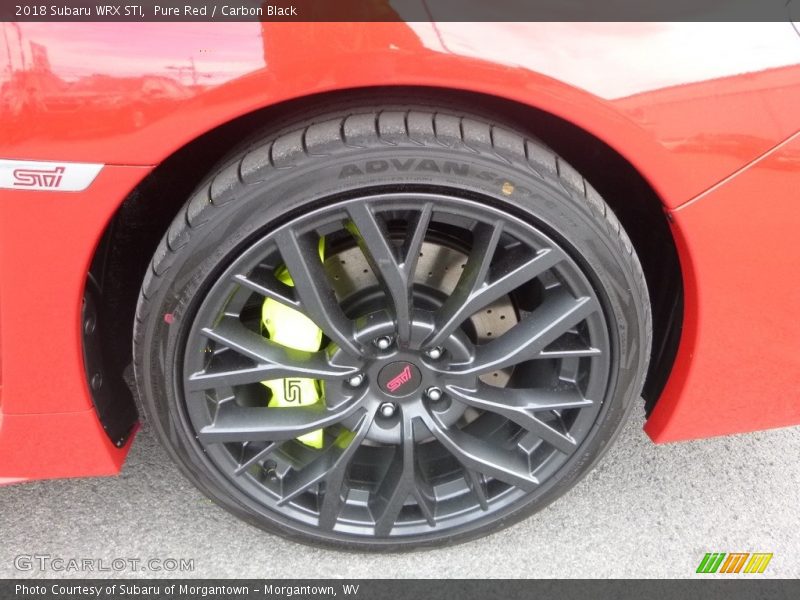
[(134, 232)]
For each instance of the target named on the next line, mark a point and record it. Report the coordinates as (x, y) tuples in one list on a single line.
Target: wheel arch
[(132, 235)]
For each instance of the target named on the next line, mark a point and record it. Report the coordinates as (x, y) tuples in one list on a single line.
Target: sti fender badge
[(47, 176)]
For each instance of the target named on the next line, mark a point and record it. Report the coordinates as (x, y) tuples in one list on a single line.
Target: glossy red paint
[(49, 427), (57, 445), (685, 118), (738, 368)]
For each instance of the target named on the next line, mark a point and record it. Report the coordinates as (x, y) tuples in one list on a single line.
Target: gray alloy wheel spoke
[(317, 298), (559, 313), (330, 465), (578, 353), (426, 503), (267, 285), (234, 423), (477, 484), (394, 272), (488, 397), (520, 406), (272, 361), (335, 479), (509, 466), (412, 245), (208, 380), (311, 474), (401, 481)]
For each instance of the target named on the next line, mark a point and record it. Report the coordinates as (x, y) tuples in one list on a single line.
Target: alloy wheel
[(465, 358)]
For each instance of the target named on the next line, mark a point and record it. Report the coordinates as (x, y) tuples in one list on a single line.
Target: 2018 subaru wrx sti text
[(387, 285)]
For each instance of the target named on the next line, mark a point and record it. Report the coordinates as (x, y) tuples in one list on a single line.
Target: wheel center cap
[(399, 378)]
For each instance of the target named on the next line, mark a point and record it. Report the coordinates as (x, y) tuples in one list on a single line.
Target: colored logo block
[(734, 562)]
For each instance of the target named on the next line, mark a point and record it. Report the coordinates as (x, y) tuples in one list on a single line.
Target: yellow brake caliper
[(292, 329)]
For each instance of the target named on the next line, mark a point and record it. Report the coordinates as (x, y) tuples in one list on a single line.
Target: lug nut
[(356, 380), (383, 342), (434, 353), (434, 394), (387, 409)]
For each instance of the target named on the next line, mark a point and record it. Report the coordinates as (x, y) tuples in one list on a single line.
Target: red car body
[(705, 113)]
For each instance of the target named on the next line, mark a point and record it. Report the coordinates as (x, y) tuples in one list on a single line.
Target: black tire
[(285, 177)]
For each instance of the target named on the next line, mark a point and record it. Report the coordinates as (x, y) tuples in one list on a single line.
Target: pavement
[(645, 512)]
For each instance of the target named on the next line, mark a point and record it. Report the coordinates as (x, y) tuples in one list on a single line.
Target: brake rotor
[(439, 267)]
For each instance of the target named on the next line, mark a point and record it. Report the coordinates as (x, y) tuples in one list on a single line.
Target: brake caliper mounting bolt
[(434, 353), (434, 394), (356, 380), (383, 342), (387, 409)]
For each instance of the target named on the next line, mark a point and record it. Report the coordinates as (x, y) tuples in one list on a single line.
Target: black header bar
[(398, 10)]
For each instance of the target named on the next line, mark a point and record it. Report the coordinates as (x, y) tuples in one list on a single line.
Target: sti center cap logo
[(399, 378)]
